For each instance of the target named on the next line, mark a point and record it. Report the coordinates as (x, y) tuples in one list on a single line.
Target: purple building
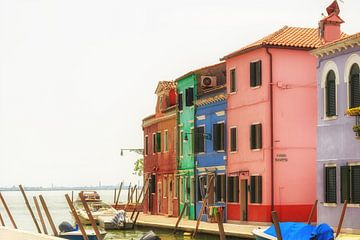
[(338, 138)]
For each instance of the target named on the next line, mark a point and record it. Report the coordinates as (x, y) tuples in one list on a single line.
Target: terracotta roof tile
[(295, 37)]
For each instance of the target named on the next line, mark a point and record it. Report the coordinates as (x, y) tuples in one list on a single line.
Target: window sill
[(233, 152), (200, 153), (220, 151), (233, 203), (330, 118), (353, 205), (232, 93), (255, 204), (256, 150), (256, 87), (329, 204)]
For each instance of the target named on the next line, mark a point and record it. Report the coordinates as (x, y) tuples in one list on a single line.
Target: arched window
[(354, 86), (330, 94)]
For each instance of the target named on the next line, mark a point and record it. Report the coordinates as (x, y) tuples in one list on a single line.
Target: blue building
[(338, 151), (210, 146)]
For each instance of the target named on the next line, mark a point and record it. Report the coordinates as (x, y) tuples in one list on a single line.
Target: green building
[(189, 87), (186, 88)]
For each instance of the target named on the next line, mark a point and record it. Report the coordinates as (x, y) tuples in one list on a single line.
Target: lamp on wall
[(206, 135), (137, 150)]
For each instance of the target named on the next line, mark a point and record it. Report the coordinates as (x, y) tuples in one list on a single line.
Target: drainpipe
[(271, 128)]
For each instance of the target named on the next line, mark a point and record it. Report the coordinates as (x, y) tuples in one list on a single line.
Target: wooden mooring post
[(146, 186), (137, 211), (275, 219), (338, 230), (91, 218), (130, 198), (129, 191), (118, 196), (313, 209), (77, 219), (47, 213), (221, 226), (180, 217), (29, 208), (8, 211), (2, 221), (40, 215)]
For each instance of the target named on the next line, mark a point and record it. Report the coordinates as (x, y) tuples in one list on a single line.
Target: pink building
[(271, 119)]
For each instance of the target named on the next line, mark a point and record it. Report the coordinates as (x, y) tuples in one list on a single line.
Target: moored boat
[(96, 205), (76, 235)]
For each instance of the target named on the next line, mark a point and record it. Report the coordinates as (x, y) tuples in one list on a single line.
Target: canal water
[(59, 210)]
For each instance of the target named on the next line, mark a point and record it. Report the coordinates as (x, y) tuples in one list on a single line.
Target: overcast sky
[(78, 76)]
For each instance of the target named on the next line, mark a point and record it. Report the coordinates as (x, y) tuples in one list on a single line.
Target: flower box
[(353, 111)]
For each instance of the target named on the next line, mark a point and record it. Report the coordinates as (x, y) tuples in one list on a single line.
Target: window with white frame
[(354, 86), (166, 143), (330, 94)]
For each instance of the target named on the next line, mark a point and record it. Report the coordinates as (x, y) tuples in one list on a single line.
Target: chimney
[(329, 27)]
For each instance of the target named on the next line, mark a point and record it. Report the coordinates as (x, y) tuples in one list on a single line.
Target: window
[(181, 145), (146, 145), (154, 143), (354, 86), (158, 142), (181, 187), (350, 184), (152, 184), (256, 136), (232, 80), (330, 185), (256, 189), (220, 187), (219, 136), (189, 97), (255, 74), (165, 186), (187, 188), (166, 144), (330, 94), (176, 181), (202, 182), (233, 135), (180, 101), (233, 189), (200, 139)]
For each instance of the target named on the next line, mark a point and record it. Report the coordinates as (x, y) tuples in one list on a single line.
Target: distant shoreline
[(14, 189)]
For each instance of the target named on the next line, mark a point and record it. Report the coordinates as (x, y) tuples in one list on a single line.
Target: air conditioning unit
[(208, 81)]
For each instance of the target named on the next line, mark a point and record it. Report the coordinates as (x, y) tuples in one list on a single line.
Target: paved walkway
[(231, 229)]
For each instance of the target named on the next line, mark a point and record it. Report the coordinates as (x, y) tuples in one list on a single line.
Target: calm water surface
[(59, 210)]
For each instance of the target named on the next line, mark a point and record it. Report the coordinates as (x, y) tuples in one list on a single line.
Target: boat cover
[(302, 231)]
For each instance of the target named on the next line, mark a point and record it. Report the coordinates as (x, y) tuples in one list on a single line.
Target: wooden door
[(243, 199), (159, 197), (170, 195)]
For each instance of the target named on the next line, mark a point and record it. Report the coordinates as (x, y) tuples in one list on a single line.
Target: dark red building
[(159, 153)]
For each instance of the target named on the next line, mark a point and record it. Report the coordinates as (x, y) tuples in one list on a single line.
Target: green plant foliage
[(139, 167)]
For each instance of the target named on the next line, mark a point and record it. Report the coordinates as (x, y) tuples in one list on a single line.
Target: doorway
[(170, 196), (243, 199), (159, 197)]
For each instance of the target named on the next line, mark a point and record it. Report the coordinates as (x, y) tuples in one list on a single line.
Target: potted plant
[(356, 129), (353, 111)]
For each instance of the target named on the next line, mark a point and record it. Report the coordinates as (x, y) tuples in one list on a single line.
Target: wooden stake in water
[(146, 186), (47, 213), (77, 220), (313, 209), (221, 226), (180, 217), (8, 211), (341, 219), (40, 215), (29, 208), (2, 221), (130, 199), (118, 196), (275, 219), (91, 218)]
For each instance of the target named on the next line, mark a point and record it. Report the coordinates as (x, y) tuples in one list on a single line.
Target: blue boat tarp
[(302, 231)]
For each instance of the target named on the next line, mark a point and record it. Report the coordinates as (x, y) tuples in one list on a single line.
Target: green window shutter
[(354, 86), (258, 136), (258, 73), (330, 184), (345, 183), (158, 142), (189, 96), (355, 184), (222, 136), (330, 97), (233, 139), (259, 189), (180, 102), (253, 137), (252, 74), (252, 189), (232, 80)]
